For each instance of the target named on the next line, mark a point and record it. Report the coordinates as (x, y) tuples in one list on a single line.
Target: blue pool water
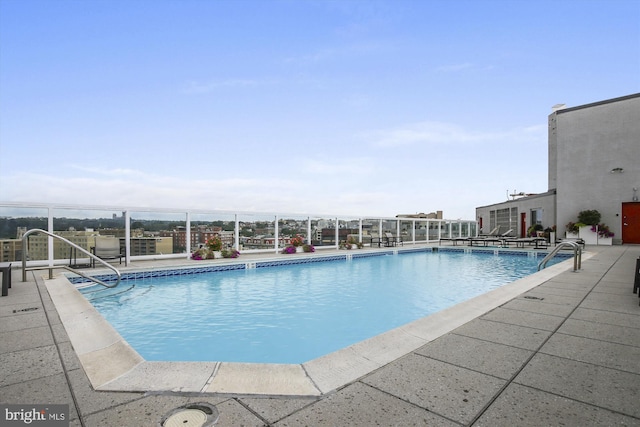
[(294, 313)]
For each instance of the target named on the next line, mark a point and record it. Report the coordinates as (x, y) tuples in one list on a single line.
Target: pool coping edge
[(111, 364)]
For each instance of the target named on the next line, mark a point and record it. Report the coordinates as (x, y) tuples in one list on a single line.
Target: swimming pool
[(295, 313)]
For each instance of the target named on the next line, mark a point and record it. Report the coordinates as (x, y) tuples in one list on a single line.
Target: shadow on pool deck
[(566, 352)]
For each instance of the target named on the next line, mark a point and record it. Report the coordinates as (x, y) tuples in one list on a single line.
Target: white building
[(594, 164)]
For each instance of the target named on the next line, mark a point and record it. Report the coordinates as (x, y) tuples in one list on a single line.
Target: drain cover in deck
[(192, 415)]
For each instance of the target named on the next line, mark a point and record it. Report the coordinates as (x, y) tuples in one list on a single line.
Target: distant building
[(432, 215), (594, 164), (148, 245), (10, 250), (38, 244), (199, 236)]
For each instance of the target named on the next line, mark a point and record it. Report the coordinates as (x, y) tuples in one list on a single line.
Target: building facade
[(594, 164)]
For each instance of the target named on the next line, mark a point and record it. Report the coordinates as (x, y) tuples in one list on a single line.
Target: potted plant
[(573, 228), (589, 217), (202, 253), (289, 250), (297, 242), (230, 253), (535, 230), (589, 229), (308, 248), (605, 235), (215, 246)]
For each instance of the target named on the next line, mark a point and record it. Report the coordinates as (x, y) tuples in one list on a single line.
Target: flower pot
[(589, 237), (605, 241), (592, 237)]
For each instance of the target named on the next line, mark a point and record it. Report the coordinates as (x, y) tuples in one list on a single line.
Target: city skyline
[(357, 108)]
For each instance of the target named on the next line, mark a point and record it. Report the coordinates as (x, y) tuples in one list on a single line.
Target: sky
[(348, 107)]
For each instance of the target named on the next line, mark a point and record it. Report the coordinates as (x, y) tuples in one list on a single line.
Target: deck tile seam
[(543, 301), (611, 311), (562, 396), (538, 350), (472, 369), (525, 311), (603, 323), (260, 417), (65, 371), (590, 363), (503, 323), (410, 402), (109, 408), (501, 343), (31, 379)]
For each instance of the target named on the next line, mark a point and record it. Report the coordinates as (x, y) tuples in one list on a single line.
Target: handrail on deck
[(91, 256), (577, 255)]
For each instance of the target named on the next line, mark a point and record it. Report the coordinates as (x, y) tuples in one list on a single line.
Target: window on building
[(506, 219), (536, 216)]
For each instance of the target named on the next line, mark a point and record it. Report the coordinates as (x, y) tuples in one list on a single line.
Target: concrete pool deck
[(563, 349)]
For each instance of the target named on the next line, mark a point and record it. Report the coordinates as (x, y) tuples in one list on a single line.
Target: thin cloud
[(117, 172), (454, 67), (439, 133), (334, 167), (312, 58), (210, 86)]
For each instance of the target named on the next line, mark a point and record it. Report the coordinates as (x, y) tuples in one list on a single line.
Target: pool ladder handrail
[(577, 255), (50, 268)]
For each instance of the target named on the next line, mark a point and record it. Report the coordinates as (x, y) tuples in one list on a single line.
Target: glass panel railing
[(445, 230), (473, 229), (370, 230), (323, 231), (204, 226), (158, 233), (421, 231), (81, 227), (170, 233), (389, 226), (292, 230), (257, 232), (14, 222), (435, 227), (464, 229), (455, 229), (348, 231), (407, 230)]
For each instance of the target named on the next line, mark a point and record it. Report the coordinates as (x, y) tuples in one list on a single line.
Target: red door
[(523, 224), (631, 222)]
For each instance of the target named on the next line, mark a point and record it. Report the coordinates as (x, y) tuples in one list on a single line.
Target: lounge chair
[(107, 247), (391, 240), (539, 242), (492, 237), (454, 240), (486, 240), (507, 233), (492, 233), (376, 240)]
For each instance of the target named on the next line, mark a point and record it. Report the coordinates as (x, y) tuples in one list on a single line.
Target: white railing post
[(187, 237), (127, 237), (413, 231), (50, 252), (276, 234), (236, 232)]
